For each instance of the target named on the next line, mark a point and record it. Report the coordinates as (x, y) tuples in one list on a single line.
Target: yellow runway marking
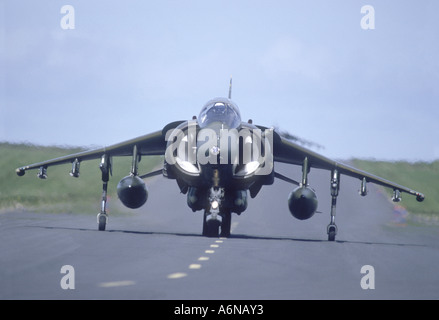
[(116, 284), (177, 275), (203, 258), (196, 266)]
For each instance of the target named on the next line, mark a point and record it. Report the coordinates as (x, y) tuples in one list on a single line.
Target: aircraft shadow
[(238, 236), (122, 231), (253, 237)]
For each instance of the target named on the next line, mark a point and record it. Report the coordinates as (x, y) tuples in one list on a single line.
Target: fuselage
[(219, 154)]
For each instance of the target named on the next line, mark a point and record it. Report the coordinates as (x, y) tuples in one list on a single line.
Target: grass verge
[(419, 176), (60, 192)]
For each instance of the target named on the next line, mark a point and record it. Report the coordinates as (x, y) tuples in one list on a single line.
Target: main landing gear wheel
[(226, 224)]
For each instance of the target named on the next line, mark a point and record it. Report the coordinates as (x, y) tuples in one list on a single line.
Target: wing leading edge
[(150, 144), (284, 151), (289, 152)]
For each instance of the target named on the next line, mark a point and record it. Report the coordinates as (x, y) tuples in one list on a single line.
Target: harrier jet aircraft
[(217, 160)]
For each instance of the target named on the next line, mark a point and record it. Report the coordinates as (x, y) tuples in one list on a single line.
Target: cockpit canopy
[(220, 110)]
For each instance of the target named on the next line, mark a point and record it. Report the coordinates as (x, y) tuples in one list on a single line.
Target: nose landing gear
[(216, 217), (217, 225)]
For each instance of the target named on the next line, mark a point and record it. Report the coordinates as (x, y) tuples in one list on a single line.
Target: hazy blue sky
[(131, 67)]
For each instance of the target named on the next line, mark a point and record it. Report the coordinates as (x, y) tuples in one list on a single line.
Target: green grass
[(419, 176), (60, 192)]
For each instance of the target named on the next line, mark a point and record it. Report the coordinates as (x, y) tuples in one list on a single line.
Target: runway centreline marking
[(116, 284), (177, 275), (196, 266)]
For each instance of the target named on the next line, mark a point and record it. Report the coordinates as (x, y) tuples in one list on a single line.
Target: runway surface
[(158, 252)]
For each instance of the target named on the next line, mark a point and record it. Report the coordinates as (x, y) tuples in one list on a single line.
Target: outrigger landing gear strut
[(105, 167), (335, 186)]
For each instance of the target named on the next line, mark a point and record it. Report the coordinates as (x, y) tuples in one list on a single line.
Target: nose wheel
[(211, 228), (217, 225)]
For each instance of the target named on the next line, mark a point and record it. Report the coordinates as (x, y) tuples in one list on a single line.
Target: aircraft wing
[(150, 144), (289, 152)]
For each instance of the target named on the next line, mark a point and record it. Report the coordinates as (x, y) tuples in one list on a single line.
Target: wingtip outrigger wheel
[(335, 187), (105, 167), (102, 221), (332, 232)]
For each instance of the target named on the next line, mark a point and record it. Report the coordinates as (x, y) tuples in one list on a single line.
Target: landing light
[(215, 204)]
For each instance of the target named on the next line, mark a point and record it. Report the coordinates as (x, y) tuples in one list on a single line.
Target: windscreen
[(222, 111)]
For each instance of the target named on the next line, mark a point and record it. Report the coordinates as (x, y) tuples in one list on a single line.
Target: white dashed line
[(195, 266), (177, 275), (116, 284), (203, 258)]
